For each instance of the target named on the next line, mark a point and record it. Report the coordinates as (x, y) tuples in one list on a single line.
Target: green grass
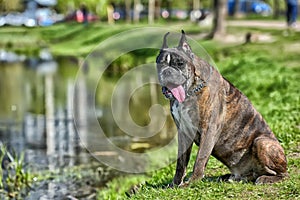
[(15, 179), (153, 186), (68, 39)]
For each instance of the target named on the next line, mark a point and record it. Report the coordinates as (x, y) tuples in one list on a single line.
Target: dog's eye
[(177, 62), (167, 59)]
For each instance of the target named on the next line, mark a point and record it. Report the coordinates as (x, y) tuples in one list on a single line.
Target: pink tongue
[(178, 92)]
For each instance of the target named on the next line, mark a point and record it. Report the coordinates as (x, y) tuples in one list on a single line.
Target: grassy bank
[(68, 39)]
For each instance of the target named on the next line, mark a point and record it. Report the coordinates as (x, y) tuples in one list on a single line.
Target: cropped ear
[(183, 45), (164, 46)]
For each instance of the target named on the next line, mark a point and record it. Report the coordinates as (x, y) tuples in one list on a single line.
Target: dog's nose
[(166, 73)]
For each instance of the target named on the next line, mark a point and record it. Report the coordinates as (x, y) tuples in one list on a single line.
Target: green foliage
[(3, 150), (95, 6), (15, 180), (116, 188)]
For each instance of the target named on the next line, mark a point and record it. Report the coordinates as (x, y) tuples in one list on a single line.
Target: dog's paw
[(184, 184), (171, 185), (181, 185), (263, 180), (270, 179), (133, 190)]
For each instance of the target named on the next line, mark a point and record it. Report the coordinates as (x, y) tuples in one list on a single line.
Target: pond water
[(51, 111)]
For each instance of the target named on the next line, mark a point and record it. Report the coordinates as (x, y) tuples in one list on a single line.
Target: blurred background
[(47, 12)]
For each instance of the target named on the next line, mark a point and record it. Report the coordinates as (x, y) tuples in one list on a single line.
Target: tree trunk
[(157, 9), (248, 7), (236, 11), (136, 14), (196, 4), (219, 21), (276, 9), (110, 12), (151, 11), (128, 10), (10, 5)]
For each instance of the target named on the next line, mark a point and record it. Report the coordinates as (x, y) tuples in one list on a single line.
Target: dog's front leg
[(205, 149), (184, 151)]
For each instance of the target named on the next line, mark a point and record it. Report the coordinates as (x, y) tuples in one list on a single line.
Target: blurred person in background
[(85, 13), (291, 12)]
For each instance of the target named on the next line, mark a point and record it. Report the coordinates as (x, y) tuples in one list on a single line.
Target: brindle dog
[(211, 112)]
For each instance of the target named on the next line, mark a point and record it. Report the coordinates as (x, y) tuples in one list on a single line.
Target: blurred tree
[(10, 5), (196, 4), (95, 6), (157, 9), (128, 10), (151, 11), (276, 9), (136, 11), (206, 4), (219, 21), (110, 13), (236, 11)]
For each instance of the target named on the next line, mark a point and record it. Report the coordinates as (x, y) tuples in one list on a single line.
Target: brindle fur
[(220, 120)]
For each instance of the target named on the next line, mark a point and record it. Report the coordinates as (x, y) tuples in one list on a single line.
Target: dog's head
[(175, 68)]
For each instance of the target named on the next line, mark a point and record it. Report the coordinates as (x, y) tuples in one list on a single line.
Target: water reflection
[(36, 110), (38, 101)]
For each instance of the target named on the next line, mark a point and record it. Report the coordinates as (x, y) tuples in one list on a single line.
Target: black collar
[(199, 85)]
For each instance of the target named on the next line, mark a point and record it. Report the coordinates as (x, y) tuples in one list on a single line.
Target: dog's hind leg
[(270, 156)]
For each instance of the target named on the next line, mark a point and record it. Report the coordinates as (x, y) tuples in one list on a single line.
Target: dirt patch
[(267, 24), (240, 38), (293, 48), (252, 37)]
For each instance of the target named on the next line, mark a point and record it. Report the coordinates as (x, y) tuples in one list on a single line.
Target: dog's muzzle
[(171, 75), (168, 94)]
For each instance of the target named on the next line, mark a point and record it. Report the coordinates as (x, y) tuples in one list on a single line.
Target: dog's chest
[(175, 110), (183, 118)]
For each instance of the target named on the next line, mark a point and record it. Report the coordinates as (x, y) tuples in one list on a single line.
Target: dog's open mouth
[(175, 91)]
